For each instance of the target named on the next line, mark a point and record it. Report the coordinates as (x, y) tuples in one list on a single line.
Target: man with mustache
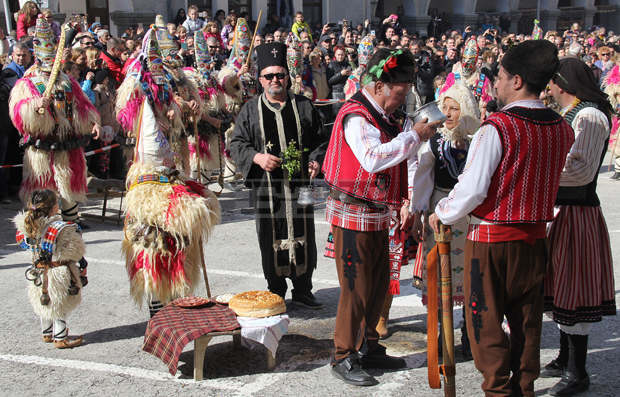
[(269, 125)]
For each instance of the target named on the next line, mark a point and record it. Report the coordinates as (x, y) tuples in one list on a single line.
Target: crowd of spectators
[(99, 60)]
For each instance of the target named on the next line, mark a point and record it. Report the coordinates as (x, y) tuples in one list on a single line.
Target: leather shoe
[(378, 359), (68, 343), (615, 176), (552, 370), (570, 384), (307, 300), (350, 371)]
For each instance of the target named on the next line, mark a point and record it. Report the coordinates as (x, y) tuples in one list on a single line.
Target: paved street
[(111, 362)]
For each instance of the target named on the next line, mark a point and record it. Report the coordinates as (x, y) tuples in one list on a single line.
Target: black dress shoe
[(552, 370), (570, 384), (307, 300), (350, 371), (378, 359)]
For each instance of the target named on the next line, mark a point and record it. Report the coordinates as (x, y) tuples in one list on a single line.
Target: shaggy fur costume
[(129, 99), (69, 247), (228, 79), (63, 171), (164, 226), (612, 89)]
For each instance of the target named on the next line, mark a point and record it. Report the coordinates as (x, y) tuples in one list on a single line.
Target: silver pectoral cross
[(275, 53), (269, 145)]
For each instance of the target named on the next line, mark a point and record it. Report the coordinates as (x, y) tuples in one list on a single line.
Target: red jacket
[(115, 67), (22, 27)]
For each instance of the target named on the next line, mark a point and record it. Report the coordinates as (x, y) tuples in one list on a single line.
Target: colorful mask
[(168, 49), (470, 57), (201, 52), (241, 43), (44, 44), (159, 21), (365, 51), (293, 56), (154, 61)]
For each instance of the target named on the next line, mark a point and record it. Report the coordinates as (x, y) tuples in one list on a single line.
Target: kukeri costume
[(469, 74), (168, 218), (364, 51), (55, 285), (579, 286), (508, 187), (213, 97), (54, 137), (185, 92), (285, 229)]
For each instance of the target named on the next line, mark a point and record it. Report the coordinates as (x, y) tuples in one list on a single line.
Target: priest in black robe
[(268, 126)]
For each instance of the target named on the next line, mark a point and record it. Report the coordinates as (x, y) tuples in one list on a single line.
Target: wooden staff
[(49, 87), (197, 146), (260, 14), (440, 254), (204, 270)]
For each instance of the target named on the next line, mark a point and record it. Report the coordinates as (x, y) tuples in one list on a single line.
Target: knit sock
[(154, 307), (69, 210), (60, 329), (47, 326)]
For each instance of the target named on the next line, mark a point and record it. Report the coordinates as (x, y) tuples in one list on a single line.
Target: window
[(313, 12)]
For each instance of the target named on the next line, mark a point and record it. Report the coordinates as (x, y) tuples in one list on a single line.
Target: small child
[(58, 270)]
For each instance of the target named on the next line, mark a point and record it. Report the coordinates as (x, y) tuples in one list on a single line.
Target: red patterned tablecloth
[(174, 327)]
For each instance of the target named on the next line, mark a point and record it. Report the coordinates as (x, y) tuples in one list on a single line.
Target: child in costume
[(58, 270), (54, 129), (167, 217)]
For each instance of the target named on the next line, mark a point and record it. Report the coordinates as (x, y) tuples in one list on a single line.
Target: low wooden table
[(200, 348)]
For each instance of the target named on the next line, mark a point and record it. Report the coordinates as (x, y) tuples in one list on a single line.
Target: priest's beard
[(275, 90)]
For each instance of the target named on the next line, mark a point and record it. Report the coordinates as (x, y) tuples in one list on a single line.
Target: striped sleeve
[(582, 162)]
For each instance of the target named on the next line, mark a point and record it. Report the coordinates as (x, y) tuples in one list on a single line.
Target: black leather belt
[(348, 199)]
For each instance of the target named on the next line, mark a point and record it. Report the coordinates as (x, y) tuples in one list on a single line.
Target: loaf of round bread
[(257, 304)]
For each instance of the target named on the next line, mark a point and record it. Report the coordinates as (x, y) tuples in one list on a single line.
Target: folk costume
[(366, 169), (146, 80), (167, 217), (185, 93), (210, 146), (579, 287), (285, 229), (54, 138), (467, 72), (508, 186), (612, 89), (54, 282), (364, 51), (295, 62), (440, 162)]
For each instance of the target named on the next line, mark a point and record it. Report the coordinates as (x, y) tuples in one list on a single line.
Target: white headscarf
[(469, 120)]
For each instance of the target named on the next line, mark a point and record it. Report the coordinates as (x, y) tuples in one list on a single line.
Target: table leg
[(200, 347), (271, 361)]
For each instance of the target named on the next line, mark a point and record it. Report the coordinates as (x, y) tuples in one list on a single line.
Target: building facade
[(515, 15)]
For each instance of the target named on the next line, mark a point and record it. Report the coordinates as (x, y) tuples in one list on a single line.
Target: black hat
[(271, 54), (391, 66), (536, 61), (325, 37)]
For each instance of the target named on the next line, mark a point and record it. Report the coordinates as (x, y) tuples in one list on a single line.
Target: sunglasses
[(270, 76), (606, 54), (88, 43)]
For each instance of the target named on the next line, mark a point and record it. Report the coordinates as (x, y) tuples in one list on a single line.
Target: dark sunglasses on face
[(270, 76), (605, 54)]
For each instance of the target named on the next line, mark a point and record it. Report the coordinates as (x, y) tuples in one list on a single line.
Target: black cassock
[(245, 143)]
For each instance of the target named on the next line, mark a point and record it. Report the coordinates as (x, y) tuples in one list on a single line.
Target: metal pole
[(7, 16), (538, 10)]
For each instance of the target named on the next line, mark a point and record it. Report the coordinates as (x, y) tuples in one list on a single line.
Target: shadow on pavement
[(113, 334)]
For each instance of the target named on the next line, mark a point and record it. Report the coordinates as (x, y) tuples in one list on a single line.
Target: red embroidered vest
[(523, 188), (343, 172)]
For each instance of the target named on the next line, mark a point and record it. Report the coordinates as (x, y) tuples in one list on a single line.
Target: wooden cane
[(197, 146), (260, 14), (204, 270), (447, 369)]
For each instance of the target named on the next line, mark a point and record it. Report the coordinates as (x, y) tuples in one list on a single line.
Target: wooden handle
[(260, 14)]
